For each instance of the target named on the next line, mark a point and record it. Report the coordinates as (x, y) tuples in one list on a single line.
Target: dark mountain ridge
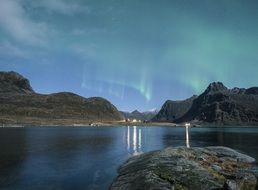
[(220, 105), (20, 104), (172, 110)]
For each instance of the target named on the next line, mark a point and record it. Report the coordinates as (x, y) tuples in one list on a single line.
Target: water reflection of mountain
[(13, 151), (12, 146), (243, 140), (68, 140)]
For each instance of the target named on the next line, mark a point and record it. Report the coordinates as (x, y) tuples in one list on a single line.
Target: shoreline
[(121, 124)]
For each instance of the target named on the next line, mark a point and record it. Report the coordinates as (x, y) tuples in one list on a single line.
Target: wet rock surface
[(188, 168)]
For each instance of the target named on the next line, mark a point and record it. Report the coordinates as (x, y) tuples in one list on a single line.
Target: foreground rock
[(193, 168)]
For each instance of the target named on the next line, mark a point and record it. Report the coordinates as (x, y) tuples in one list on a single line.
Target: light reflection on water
[(187, 142), (134, 140)]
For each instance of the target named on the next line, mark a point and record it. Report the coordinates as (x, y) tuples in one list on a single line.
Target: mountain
[(20, 104), (220, 105), (12, 82), (150, 114), (172, 110), (143, 116)]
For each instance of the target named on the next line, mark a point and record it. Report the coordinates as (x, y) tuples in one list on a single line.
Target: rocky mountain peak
[(237, 90), (172, 110), (12, 82), (215, 87), (143, 116), (136, 112)]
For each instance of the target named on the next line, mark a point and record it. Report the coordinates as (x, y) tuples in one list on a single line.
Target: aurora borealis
[(135, 53)]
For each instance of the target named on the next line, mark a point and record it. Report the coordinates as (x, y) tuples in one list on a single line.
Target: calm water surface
[(88, 158)]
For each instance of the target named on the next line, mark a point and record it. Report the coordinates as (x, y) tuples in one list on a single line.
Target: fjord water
[(88, 157)]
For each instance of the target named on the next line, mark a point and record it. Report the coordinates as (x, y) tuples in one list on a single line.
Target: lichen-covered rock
[(188, 168)]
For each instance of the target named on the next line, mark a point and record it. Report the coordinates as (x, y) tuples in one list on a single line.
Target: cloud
[(78, 32), (61, 6), (85, 51), (9, 49), (16, 23)]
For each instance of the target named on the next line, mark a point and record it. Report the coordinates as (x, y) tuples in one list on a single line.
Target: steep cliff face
[(172, 110), (20, 104), (12, 82), (218, 104)]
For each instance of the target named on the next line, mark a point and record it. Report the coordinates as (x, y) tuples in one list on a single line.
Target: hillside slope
[(20, 104), (172, 110)]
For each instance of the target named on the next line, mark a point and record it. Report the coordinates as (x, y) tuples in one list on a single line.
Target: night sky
[(135, 53)]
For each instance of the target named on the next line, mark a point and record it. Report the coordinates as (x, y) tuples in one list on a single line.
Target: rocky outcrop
[(188, 169), (253, 90), (172, 110), (12, 82), (19, 104), (220, 105)]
